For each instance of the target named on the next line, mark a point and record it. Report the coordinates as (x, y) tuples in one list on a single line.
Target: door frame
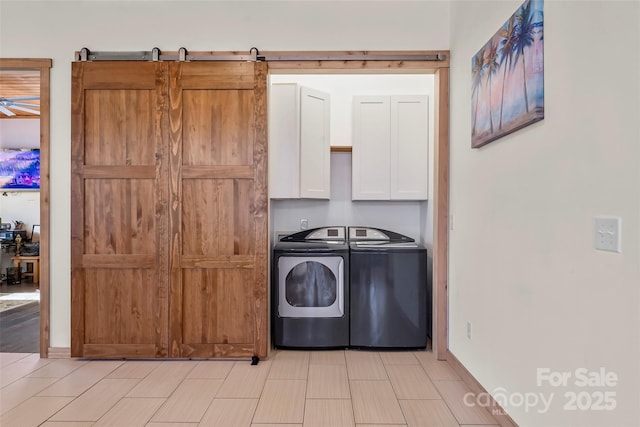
[(338, 62), (43, 65)]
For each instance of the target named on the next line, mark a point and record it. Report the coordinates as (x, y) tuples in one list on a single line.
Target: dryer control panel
[(327, 234)]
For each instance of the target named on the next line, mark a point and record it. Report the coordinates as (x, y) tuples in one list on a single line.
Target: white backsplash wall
[(403, 217)]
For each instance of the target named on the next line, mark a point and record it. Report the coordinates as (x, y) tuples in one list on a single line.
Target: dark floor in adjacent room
[(19, 321)]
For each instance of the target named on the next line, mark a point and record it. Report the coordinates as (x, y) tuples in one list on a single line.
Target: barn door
[(218, 209), (169, 209), (119, 212)]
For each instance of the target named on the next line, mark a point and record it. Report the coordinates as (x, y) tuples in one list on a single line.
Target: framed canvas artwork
[(507, 83)]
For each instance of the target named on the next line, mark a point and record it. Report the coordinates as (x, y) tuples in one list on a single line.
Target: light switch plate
[(607, 233)]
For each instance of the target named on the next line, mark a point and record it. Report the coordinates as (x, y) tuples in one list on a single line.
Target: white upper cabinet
[(315, 152), (409, 155), (284, 141), (299, 151), (371, 147), (390, 147)]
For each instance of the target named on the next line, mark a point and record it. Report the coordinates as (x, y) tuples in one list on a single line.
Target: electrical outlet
[(304, 224), (607, 233), (469, 330)]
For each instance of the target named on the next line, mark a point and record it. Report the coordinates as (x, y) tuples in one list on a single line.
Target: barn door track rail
[(254, 55)]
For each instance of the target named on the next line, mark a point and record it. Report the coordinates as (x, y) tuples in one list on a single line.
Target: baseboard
[(59, 353), (496, 410)]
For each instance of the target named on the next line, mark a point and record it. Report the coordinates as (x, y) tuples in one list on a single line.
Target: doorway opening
[(433, 222), (24, 205)]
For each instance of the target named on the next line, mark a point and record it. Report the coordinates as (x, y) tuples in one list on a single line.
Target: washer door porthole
[(311, 286)]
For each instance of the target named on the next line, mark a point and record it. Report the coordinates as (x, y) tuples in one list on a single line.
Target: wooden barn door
[(169, 209), (119, 214), (218, 209)]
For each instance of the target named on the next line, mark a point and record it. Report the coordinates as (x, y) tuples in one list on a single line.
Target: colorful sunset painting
[(508, 77)]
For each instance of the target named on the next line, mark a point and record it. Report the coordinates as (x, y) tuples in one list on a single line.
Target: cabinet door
[(315, 178), (370, 151), (409, 147), (284, 141)]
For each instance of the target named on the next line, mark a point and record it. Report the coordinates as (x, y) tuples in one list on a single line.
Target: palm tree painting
[(508, 77)]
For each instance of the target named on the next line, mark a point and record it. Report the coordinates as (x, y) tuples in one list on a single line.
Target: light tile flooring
[(291, 388)]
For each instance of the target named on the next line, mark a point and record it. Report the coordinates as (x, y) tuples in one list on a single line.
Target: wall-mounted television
[(19, 169)]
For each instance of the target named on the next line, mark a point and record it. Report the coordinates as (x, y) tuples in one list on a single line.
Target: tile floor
[(291, 388)]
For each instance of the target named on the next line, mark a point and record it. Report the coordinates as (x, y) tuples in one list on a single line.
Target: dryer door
[(311, 286)]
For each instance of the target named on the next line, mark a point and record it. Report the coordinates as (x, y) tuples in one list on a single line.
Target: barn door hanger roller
[(156, 55)]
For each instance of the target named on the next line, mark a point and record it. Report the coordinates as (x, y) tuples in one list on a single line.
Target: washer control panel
[(364, 233)]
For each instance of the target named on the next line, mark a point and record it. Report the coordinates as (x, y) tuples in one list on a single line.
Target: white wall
[(56, 29), (19, 133), (523, 268)]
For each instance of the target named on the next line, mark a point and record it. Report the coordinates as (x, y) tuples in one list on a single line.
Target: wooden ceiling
[(16, 83)]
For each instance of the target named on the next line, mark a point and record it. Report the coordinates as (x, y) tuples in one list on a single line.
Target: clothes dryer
[(310, 289)]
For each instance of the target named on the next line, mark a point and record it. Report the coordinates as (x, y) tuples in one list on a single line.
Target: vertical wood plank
[(175, 209), (45, 207), (441, 214), (260, 205), (162, 209), (77, 217)]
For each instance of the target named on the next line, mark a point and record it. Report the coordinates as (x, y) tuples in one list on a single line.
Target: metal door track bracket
[(254, 56), (85, 55)]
